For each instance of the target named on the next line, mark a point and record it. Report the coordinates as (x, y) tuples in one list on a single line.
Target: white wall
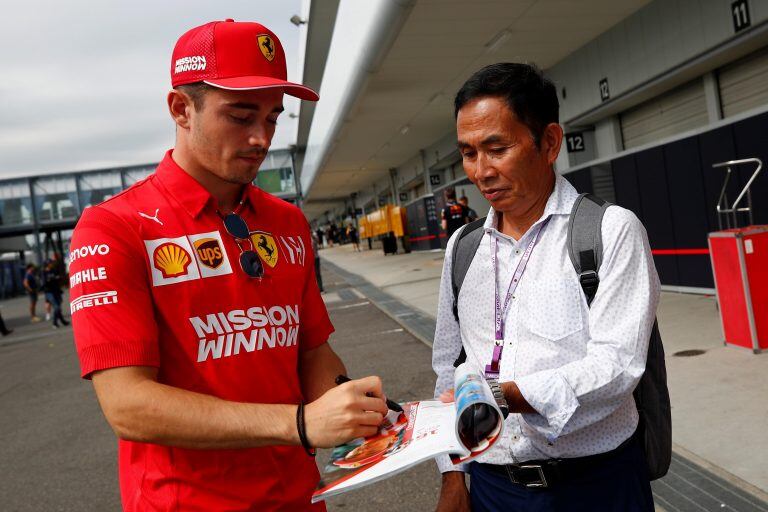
[(659, 37)]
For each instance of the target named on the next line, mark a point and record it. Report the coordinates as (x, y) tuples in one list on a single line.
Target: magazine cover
[(464, 428)]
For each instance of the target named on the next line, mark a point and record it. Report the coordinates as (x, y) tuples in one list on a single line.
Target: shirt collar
[(560, 202), (190, 194)]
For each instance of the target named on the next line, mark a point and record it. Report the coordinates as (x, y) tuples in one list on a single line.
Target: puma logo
[(155, 218)]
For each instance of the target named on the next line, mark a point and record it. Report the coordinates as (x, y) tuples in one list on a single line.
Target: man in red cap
[(195, 305)]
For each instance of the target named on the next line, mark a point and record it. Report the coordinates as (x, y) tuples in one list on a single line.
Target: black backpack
[(585, 250)]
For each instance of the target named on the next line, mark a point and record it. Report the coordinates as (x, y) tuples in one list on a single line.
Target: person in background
[(32, 286), (320, 235), (454, 215), (52, 289), (471, 214), (353, 236)]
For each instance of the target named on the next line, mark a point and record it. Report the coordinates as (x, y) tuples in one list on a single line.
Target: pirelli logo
[(93, 300)]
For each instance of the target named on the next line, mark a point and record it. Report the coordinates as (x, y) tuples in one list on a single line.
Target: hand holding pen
[(394, 406)]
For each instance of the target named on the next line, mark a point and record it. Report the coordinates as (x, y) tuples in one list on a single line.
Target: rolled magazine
[(462, 429)]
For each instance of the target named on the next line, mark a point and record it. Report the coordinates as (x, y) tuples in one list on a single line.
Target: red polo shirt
[(156, 281)]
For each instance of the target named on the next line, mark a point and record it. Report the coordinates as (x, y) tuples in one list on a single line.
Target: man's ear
[(551, 140), (180, 106)]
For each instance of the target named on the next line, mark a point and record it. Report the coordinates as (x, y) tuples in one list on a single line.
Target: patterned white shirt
[(576, 365)]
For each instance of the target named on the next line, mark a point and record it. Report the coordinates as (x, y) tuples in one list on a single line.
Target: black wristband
[(301, 429)]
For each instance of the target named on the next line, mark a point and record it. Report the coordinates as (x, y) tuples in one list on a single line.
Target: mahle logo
[(171, 259), (209, 252)]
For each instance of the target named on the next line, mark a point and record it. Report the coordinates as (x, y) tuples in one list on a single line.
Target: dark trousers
[(620, 484), (3, 329), (55, 300)]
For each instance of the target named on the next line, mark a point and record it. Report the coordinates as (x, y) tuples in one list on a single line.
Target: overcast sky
[(84, 82)]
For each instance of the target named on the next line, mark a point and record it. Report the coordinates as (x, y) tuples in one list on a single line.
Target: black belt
[(547, 473)]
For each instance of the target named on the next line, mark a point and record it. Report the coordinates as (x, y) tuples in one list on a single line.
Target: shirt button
[(517, 251)]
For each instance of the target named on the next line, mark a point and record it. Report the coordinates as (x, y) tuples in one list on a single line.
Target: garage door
[(673, 112), (744, 84)]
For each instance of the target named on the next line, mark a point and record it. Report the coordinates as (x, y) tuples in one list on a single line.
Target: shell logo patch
[(209, 252), (267, 46), (171, 259), (265, 247), (187, 258)]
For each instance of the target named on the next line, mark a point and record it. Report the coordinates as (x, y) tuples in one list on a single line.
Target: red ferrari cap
[(234, 55)]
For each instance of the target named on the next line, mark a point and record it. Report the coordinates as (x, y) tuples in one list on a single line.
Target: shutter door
[(744, 84), (676, 111)]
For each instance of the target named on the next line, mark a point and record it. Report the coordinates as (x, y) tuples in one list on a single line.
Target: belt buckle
[(540, 484)]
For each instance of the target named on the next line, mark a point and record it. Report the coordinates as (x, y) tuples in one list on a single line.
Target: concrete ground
[(719, 410), (57, 452), (371, 343)]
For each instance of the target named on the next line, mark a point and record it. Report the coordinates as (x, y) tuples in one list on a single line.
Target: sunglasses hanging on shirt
[(249, 260)]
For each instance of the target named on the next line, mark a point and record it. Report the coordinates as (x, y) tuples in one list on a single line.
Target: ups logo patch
[(209, 252)]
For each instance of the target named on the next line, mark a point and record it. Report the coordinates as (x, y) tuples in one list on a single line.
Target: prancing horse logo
[(267, 47), (265, 246)]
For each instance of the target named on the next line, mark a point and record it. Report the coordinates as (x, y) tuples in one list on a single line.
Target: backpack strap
[(585, 242), (651, 394), (464, 249)]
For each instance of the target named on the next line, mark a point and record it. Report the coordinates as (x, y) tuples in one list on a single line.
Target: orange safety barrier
[(388, 218), (365, 227), (397, 220)]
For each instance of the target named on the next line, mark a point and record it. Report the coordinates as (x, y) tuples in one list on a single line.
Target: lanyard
[(492, 370)]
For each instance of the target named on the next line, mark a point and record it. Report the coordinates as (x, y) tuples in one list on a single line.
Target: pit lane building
[(652, 95)]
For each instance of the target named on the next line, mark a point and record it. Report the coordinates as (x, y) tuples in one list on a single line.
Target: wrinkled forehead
[(488, 120)]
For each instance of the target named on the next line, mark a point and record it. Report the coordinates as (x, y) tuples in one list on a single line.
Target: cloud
[(84, 83)]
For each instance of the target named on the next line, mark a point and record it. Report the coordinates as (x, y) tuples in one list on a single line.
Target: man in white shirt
[(567, 369)]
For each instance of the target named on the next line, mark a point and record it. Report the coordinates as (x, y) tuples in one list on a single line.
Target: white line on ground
[(391, 331), (330, 298), (357, 304)]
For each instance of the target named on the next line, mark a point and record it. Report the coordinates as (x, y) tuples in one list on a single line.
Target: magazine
[(463, 429)]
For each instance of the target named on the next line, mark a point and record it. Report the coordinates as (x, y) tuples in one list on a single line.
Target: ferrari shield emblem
[(265, 246), (267, 47)]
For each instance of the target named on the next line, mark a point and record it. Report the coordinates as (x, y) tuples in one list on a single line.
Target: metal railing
[(730, 212)]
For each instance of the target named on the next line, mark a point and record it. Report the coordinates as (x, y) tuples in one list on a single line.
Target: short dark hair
[(529, 95), (450, 193), (196, 91)]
